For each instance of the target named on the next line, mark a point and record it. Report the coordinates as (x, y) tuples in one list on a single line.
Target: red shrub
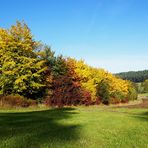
[(16, 101), (98, 101), (86, 98)]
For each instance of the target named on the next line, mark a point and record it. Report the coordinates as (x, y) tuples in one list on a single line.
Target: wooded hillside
[(134, 76)]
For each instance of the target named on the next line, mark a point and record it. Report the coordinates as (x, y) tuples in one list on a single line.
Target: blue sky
[(112, 34)]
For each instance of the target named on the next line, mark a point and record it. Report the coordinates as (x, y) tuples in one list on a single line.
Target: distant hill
[(134, 76)]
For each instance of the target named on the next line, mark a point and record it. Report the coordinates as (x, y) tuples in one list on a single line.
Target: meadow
[(49, 99), (143, 95), (74, 127)]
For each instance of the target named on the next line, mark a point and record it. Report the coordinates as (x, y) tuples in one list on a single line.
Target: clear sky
[(112, 34)]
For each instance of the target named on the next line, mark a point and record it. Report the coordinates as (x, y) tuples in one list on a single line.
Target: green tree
[(132, 95), (103, 91), (145, 86)]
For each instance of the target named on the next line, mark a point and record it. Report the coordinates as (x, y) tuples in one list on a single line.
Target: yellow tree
[(21, 70)]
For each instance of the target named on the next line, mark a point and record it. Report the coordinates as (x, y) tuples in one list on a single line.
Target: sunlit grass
[(84, 127), (143, 95)]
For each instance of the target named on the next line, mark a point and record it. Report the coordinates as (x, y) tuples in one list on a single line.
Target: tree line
[(142, 87), (134, 76), (31, 69)]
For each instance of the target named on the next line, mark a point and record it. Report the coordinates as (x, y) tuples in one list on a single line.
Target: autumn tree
[(20, 69), (31, 69), (66, 87), (90, 77)]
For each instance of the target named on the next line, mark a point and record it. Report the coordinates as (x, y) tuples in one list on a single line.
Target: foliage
[(134, 76), (145, 86), (132, 93), (66, 88), (21, 70), (15, 101), (142, 87), (114, 90), (89, 77), (103, 91), (32, 70)]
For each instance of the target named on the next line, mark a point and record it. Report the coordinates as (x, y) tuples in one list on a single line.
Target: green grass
[(143, 95), (77, 127)]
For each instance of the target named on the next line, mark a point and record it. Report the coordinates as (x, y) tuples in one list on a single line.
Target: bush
[(103, 91), (114, 101), (16, 101), (132, 93), (48, 102), (86, 98), (126, 100)]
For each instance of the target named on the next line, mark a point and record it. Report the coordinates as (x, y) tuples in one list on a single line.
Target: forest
[(30, 72), (134, 76)]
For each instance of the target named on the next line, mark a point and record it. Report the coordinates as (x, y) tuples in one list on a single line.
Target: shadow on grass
[(142, 116), (36, 128)]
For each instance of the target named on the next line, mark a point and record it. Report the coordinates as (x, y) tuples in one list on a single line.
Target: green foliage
[(142, 87), (134, 76), (132, 94), (103, 91), (145, 86)]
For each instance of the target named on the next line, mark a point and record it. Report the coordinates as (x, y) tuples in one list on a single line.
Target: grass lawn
[(143, 95), (76, 127)]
